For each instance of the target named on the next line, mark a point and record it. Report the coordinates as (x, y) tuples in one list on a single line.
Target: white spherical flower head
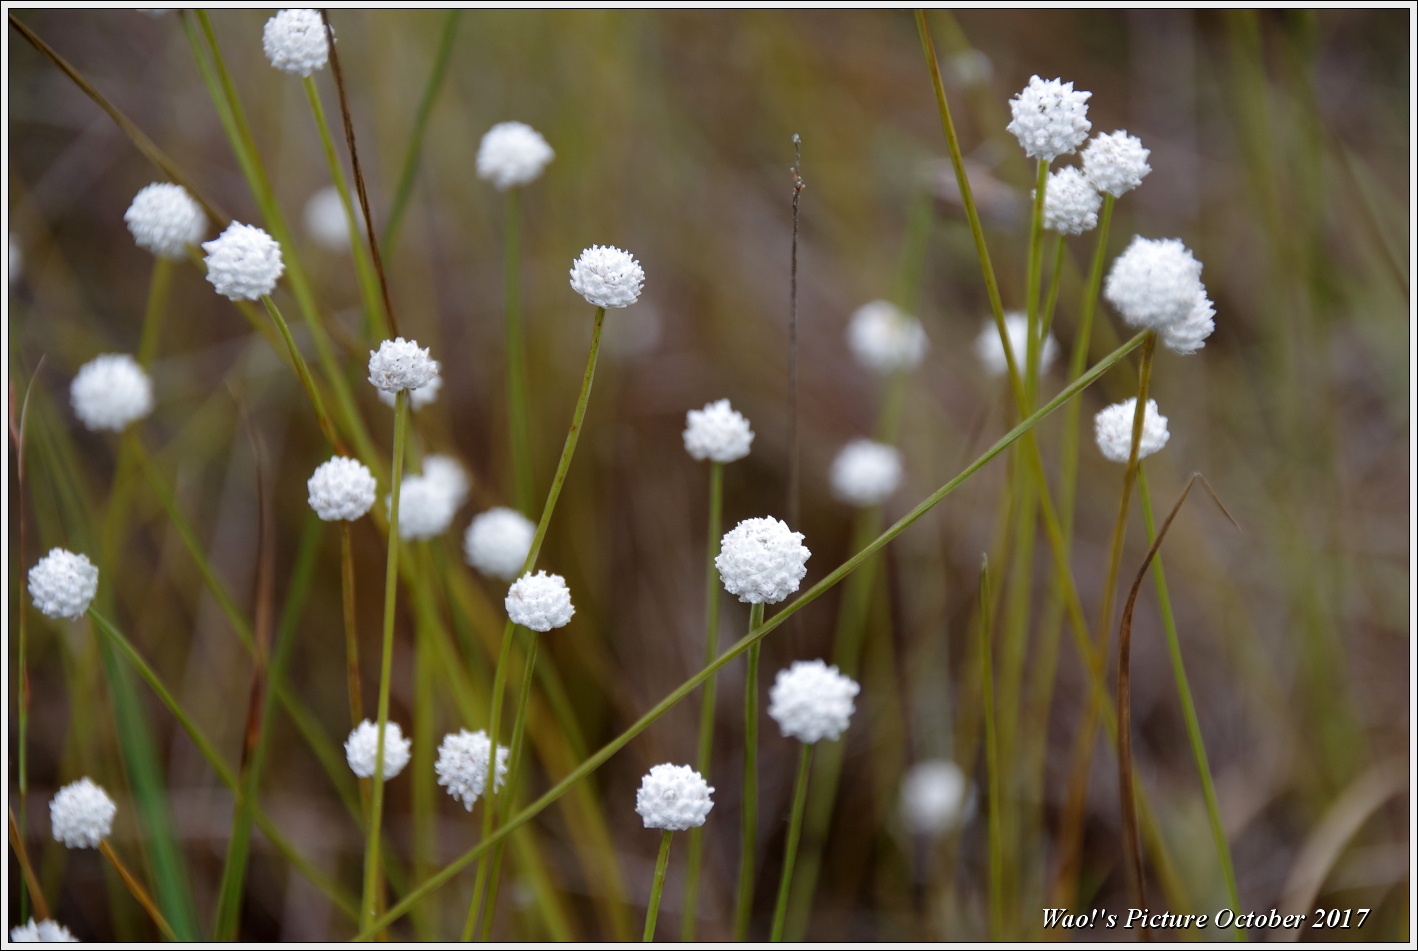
[(164, 219), (341, 488), (426, 508), (539, 601), (111, 391), (63, 584), (418, 398), (295, 42), (244, 262), (448, 474), (1154, 283), (991, 351), (716, 432), (363, 746), (462, 765), (1113, 429), (934, 797), (1071, 202), (761, 560), (1116, 162), (674, 798), (399, 364), (325, 219), (866, 473), (607, 277), (1050, 118), (497, 542), (81, 814), (885, 339), (1190, 335), (48, 931), (811, 701), (512, 153)]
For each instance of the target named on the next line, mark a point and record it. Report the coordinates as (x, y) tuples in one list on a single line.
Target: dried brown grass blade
[(17, 841)]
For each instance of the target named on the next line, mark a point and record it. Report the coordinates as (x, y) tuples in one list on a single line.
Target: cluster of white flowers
[(512, 153), (673, 798), (539, 601), (1071, 202), (325, 219), (1113, 429), (341, 488), (399, 364), (761, 560), (1156, 284), (462, 765), (244, 262), (717, 432), (885, 339), (607, 277), (1115, 162), (111, 391), (811, 701), (1050, 118), (991, 351), (866, 473), (497, 542), (81, 814), (164, 219), (63, 584), (295, 42), (47, 931), (419, 397), (363, 746), (935, 797)]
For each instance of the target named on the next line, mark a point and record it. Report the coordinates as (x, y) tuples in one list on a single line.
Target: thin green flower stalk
[(347, 603), (137, 890), (372, 887), (518, 409), (662, 863), (992, 763), (795, 828), (326, 426), (748, 833), (1046, 315), (1184, 695)]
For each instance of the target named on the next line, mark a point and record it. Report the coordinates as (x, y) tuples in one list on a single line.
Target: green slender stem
[(706, 709), (597, 759), (518, 412), (1031, 298), (790, 851), (158, 288), (306, 380), (499, 689), (652, 911), (748, 838), (1184, 694), (369, 899), (347, 601), (1046, 316), (992, 764)]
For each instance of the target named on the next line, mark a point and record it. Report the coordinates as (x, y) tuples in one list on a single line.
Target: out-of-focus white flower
[(295, 42), (717, 432), (244, 262), (674, 798), (426, 508), (81, 814), (866, 472), (512, 153), (418, 398), (761, 560), (1071, 202), (991, 352), (17, 260), (497, 542), (111, 391), (63, 584), (462, 765), (1050, 118), (885, 339), (1116, 162), (341, 488), (399, 364), (48, 931), (607, 277), (325, 219), (1113, 429), (811, 701), (363, 746), (449, 474), (539, 601), (934, 797), (164, 219)]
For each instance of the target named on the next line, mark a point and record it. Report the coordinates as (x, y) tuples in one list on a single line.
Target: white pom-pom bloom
[(1071, 202), (512, 153), (1154, 283), (1116, 162), (420, 397), (341, 488), (539, 601), (1190, 335), (884, 338), (111, 391), (363, 746), (866, 472), (607, 277), (811, 701), (63, 584), (325, 219), (244, 263), (164, 219), (399, 364), (1050, 118), (1112, 427), (49, 931), (462, 765), (674, 798), (991, 351), (295, 42), (497, 542), (426, 508), (716, 432), (761, 560), (448, 474), (81, 814), (934, 797)]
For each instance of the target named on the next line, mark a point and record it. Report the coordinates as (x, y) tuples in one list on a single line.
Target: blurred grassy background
[(1280, 155)]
